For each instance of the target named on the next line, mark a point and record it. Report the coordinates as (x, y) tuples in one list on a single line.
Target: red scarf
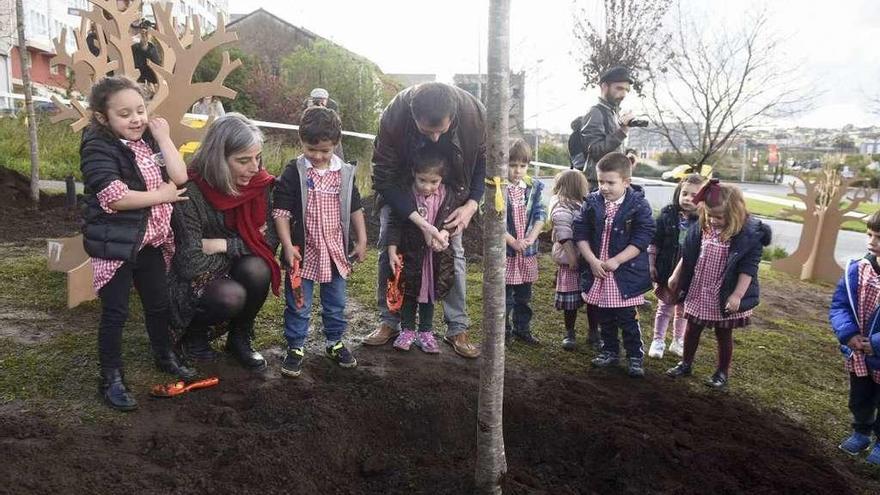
[(245, 214)]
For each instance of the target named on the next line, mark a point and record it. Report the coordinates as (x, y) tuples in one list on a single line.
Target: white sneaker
[(677, 347), (657, 348)]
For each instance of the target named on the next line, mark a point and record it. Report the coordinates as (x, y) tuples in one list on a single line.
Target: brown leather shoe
[(381, 335), (462, 347)]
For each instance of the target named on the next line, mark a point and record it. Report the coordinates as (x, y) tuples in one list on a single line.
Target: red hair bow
[(709, 194)]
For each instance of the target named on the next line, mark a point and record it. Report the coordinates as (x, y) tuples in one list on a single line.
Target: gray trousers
[(454, 306)]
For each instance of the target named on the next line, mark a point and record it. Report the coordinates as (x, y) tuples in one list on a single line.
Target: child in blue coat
[(854, 318), (613, 231)]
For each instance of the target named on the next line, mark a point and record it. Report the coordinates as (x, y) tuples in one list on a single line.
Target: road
[(785, 234)]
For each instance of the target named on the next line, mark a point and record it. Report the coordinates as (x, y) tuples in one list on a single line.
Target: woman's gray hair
[(228, 135)]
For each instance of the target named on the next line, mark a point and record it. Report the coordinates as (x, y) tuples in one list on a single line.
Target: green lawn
[(773, 210)]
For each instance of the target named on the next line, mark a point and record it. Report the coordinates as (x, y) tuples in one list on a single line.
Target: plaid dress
[(869, 299), (520, 269), (158, 232), (702, 306), (568, 281), (324, 245), (604, 293)]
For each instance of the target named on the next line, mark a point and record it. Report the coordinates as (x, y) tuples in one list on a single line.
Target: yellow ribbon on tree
[(499, 196)]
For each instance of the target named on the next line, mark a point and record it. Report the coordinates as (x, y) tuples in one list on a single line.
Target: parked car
[(680, 172)]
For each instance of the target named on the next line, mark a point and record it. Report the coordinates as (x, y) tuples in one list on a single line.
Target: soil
[(24, 224), (403, 423)]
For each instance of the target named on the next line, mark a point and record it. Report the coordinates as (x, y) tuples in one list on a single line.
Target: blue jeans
[(454, 304), (296, 320)]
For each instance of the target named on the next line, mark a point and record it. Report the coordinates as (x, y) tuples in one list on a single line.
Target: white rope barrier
[(195, 116)]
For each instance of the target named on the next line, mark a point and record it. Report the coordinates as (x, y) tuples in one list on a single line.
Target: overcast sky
[(836, 41)]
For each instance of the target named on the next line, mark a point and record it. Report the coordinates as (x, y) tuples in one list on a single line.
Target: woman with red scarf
[(224, 263)]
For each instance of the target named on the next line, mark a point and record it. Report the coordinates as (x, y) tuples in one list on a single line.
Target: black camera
[(637, 123)]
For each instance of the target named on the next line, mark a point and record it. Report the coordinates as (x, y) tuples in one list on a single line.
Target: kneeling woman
[(224, 263)]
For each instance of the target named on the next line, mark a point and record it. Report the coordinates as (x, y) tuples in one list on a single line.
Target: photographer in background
[(603, 129)]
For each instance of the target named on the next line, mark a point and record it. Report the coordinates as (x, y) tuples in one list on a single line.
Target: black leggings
[(238, 298), (147, 274)]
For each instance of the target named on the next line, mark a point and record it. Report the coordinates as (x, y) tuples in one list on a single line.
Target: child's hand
[(732, 305), (395, 261), (610, 265), (159, 128), (169, 193), (263, 229), (359, 253), (434, 238), (855, 342), (291, 254), (867, 348), (528, 241), (597, 269)]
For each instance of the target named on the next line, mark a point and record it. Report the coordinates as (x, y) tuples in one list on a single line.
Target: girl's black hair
[(429, 159), (100, 96)]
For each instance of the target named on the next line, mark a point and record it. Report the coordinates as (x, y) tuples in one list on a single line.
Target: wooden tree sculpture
[(814, 257), (182, 53)]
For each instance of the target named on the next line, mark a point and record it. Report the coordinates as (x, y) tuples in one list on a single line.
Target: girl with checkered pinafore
[(127, 160), (569, 188), (717, 277), (526, 215)]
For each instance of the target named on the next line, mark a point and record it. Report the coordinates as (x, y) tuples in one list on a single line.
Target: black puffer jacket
[(104, 159), (666, 241), (410, 243)]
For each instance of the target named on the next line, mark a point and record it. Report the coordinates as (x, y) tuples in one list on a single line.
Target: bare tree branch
[(722, 82), (630, 34)]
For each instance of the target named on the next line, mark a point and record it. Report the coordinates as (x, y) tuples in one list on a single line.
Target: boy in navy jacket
[(854, 318), (612, 233)]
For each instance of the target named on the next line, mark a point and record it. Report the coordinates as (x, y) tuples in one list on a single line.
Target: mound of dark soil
[(22, 223), (405, 423)]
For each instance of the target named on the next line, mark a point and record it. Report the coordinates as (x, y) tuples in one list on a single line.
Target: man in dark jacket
[(454, 122), (603, 129)]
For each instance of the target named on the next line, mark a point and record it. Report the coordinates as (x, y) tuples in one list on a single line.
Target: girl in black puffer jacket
[(428, 271), (132, 172), (663, 254)]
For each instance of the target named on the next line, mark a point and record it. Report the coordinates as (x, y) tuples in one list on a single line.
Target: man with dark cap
[(603, 129)]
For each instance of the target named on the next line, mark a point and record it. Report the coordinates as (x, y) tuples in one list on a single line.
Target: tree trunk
[(491, 461), (25, 58)]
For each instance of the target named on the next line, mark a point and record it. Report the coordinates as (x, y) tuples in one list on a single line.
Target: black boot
[(239, 343), (168, 362), (569, 343), (196, 346), (114, 392)]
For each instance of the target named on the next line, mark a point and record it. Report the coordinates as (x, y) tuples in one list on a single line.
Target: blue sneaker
[(858, 442), (292, 365), (874, 456), (341, 355)]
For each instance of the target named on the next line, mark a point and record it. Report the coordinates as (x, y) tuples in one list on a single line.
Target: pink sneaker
[(428, 343), (405, 340)]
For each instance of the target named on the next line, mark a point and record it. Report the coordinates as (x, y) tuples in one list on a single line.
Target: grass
[(773, 210), (785, 362)]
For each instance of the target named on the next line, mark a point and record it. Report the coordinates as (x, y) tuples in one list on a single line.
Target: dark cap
[(616, 74)]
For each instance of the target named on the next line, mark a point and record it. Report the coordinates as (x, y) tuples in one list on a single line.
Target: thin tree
[(491, 460), (28, 102), (629, 33), (721, 82)]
